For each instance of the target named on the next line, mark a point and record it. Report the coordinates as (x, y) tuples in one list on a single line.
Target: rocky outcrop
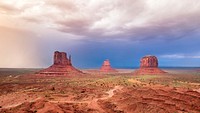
[(149, 61), (62, 66), (106, 67), (149, 65), (60, 58)]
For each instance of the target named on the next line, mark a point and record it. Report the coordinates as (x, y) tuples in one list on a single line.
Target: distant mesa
[(61, 66), (149, 62), (149, 65), (106, 67)]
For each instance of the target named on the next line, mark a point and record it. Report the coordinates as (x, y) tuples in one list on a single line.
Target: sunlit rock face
[(149, 61), (106, 67), (149, 66), (62, 66)]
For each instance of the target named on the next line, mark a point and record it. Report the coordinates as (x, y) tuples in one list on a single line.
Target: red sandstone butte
[(106, 67), (149, 65), (61, 66)]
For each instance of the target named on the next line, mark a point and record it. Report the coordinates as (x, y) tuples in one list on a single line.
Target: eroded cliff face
[(149, 61), (62, 66), (60, 58), (106, 67), (149, 65)]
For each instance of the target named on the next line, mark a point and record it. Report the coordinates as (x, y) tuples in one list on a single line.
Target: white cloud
[(138, 18), (180, 56)]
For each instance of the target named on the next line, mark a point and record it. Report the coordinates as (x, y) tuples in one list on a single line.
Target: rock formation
[(60, 58), (149, 65), (61, 66), (149, 61), (106, 67)]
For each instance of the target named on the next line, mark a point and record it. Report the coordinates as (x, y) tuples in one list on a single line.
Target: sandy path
[(19, 99), (111, 92), (93, 103)]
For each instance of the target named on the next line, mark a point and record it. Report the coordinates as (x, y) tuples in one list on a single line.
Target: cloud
[(132, 20), (8, 9), (144, 26), (65, 5), (180, 56)]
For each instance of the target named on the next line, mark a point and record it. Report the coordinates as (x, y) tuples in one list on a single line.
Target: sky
[(122, 31)]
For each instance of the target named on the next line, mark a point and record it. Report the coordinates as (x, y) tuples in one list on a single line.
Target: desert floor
[(95, 92)]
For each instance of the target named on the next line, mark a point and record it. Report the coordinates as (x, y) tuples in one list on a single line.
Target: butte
[(149, 66), (61, 66), (106, 67)]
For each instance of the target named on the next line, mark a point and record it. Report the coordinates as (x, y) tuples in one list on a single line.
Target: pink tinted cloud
[(135, 20)]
